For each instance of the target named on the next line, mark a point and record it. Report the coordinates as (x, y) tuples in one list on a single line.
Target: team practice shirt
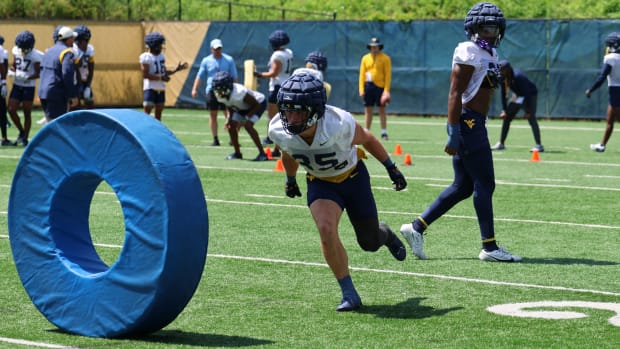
[(157, 66), (331, 152), (469, 53), (235, 101), (24, 66)]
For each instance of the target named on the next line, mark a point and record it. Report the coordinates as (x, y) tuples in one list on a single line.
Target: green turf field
[(266, 285)]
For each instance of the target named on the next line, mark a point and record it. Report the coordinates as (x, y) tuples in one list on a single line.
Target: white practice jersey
[(469, 53), (285, 57), (81, 59), (157, 66), (332, 151), (4, 54), (235, 101), (613, 59), (24, 66)]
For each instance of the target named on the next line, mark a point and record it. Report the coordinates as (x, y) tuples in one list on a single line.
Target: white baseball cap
[(65, 33), (216, 43)]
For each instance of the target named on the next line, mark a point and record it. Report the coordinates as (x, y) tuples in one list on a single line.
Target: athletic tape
[(166, 223)]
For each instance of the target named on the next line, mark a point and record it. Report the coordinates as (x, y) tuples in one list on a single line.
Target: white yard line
[(34, 344)]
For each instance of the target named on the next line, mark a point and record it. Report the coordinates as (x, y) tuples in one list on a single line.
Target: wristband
[(388, 163), (453, 129), (291, 179)]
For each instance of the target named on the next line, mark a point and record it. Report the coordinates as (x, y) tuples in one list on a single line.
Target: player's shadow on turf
[(190, 339), (566, 261), (409, 309)]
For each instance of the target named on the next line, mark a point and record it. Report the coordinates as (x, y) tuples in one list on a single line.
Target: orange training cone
[(279, 167), (408, 159), (535, 156), (398, 150), (268, 152)]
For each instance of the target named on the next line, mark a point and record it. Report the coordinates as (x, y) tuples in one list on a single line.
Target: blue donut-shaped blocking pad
[(165, 216)]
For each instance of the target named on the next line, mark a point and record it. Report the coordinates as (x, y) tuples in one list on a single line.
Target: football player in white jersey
[(324, 140), (4, 68), (245, 108), (280, 67), (84, 58), (26, 67), (475, 75), (611, 71), (154, 74)]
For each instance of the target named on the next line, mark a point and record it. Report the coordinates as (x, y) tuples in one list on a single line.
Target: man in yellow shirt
[(374, 83)]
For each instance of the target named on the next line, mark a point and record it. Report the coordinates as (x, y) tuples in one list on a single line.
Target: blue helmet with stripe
[(301, 93)]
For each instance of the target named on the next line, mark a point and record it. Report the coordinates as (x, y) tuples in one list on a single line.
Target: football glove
[(291, 189), (3, 90), (396, 176), (257, 75), (181, 66), (165, 78)]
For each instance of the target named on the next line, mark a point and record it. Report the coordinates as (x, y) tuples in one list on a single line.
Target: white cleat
[(498, 146), (499, 255), (598, 147), (414, 239)]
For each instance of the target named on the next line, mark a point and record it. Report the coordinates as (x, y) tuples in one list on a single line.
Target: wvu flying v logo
[(470, 122)]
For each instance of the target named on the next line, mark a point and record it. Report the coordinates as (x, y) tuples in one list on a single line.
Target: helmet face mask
[(301, 102), (612, 43), (485, 24), (222, 91), (223, 84), (290, 111)]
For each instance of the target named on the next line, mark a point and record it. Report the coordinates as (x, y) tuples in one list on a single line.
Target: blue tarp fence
[(563, 58)]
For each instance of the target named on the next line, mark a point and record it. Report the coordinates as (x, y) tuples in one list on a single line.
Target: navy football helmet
[(83, 33), (301, 92), (318, 59), (485, 22), (55, 33), (25, 41), (223, 84), (1, 40), (612, 41), (154, 40), (278, 39)]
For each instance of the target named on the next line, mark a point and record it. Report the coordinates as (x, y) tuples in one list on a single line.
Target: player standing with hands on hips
[(475, 75), (324, 140)]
